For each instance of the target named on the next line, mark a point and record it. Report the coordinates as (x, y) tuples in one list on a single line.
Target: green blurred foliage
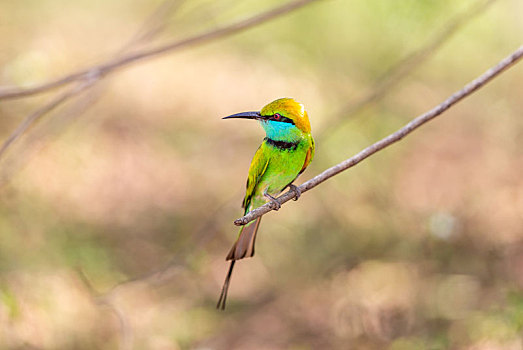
[(418, 247)]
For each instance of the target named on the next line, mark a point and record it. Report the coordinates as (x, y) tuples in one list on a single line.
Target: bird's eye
[(277, 116)]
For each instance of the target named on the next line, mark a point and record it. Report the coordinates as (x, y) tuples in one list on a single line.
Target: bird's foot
[(275, 205), (296, 191)]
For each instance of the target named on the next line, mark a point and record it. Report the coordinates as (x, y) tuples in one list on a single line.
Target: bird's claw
[(275, 205), (296, 191)]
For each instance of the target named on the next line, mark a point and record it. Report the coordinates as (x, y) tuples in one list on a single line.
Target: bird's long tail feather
[(242, 248), (225, 288)]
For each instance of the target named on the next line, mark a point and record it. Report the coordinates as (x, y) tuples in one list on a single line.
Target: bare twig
[(153, 25), (150, 27), (39, 136), (399, 71), (111, 66), (392, 138), (39, 113)]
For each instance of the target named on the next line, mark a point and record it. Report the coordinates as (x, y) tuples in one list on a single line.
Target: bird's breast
[(285, 163)]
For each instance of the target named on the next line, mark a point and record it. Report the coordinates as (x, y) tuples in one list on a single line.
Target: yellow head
[(288, 108)]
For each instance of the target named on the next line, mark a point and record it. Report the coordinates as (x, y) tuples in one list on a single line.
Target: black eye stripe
[(281, 119)]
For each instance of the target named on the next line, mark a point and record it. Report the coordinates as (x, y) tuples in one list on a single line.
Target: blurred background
[(117, 208)]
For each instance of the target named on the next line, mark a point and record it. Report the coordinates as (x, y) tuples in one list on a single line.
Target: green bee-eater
[(285, 152)]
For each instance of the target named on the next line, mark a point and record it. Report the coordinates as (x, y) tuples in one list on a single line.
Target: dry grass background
[(420, 247)]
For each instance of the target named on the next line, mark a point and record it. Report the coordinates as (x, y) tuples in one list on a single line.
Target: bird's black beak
[(245, 115)]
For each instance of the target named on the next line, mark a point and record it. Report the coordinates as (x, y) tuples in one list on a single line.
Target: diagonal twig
[(153, 25), (39, 113), (111, 66), (150, 28), (37, 139), (415, 123)]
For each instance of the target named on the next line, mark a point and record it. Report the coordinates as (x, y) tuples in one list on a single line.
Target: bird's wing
[(258, 166), (308, 157)]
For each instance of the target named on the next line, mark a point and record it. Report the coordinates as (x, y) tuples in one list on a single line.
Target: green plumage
[(281, 158), (273, 168)]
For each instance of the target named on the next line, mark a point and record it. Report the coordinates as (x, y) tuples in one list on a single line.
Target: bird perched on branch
[(285, 152)]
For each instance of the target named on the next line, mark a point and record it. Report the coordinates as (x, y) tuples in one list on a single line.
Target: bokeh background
[(116, 210)]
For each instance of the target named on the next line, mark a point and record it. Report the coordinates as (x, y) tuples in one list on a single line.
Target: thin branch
[(151, 27), (400, 70), (39, 113), (392, 138), (111, 66), (36, 140)]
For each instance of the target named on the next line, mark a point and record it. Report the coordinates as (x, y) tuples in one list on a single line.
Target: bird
[(285, 153)]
